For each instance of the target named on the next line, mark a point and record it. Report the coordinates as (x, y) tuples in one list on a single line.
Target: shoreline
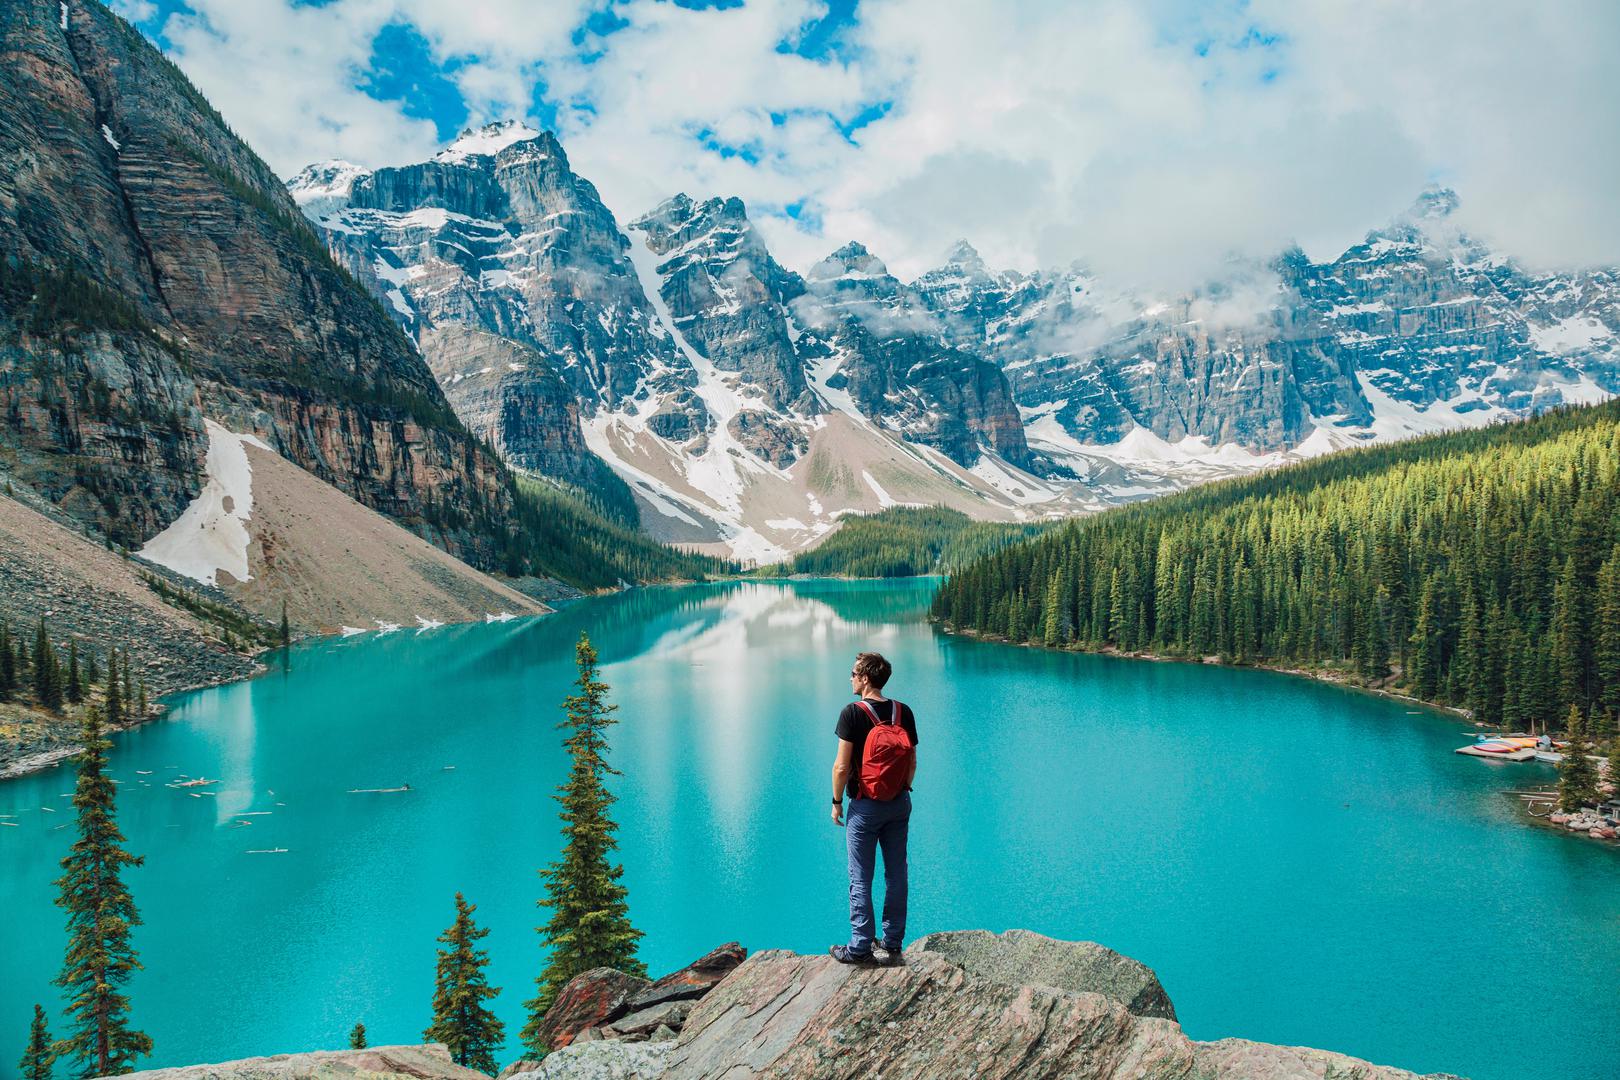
[(1319, 675), (48, 757)]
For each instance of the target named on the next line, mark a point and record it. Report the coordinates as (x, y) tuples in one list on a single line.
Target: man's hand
[(838, 813)]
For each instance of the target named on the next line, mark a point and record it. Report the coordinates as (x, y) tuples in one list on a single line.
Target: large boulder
[(590, 999), (602, 1060), (782, 1015), (1020, 957), (692, 981), (429, 1062)]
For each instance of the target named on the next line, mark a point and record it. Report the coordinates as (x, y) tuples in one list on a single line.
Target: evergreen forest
[(1476, 569), (905, 541)]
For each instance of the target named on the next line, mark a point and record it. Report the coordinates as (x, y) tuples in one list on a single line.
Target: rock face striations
[(963, 1006), (746, 407), (157, 272)]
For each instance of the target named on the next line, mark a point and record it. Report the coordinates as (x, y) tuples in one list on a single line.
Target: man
[(879, 817)]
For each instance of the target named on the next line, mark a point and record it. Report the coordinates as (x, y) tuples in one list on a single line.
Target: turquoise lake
[(1300, 864)]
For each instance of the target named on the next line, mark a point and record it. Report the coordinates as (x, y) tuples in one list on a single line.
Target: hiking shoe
[(843, 955), (895, 957)]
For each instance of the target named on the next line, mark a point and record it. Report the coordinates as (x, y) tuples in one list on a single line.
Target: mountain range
[(748, 406)]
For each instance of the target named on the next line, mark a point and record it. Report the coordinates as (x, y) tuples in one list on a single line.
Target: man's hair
[(874, 667)]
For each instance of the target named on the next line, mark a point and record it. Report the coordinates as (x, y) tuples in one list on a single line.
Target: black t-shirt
[(853, 725)]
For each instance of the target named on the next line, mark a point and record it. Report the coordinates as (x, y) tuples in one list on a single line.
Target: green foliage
[(1577, 776), (560, 534), (286, 629), (75, 677), (357, 1037), (49, 302), (8, 664), (905, 541), (1476, 569), (37, 1059), (100, 917), (114, 697), (590, 911), (233, 625), (460, 1021), (48, 688)]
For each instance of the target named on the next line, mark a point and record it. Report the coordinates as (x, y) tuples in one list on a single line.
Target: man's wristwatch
[(838, 801)]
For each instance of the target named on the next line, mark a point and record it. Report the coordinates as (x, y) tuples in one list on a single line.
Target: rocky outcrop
[(1019, 957), (784, 1015), (428, 1062), (606, 1004), (499, 234), (590, 999), (510, 394), (894, 358), (728, 297), (157, 272)]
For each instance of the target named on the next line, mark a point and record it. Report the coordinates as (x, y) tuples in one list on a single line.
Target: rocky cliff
[(681, 341), (156, 272), (966, 1005)]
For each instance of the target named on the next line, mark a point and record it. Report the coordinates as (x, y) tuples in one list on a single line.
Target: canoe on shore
[(1497, 751)]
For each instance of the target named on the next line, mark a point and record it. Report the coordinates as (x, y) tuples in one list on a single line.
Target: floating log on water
[(378, 790), (199, 782), (266, 851)]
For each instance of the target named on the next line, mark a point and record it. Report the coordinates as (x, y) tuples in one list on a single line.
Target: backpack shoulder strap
[(863, 703)]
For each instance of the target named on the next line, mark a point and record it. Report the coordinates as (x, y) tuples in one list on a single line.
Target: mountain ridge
[(1018, 395)]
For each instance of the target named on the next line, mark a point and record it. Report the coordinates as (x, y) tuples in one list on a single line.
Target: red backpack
[(886, 761)]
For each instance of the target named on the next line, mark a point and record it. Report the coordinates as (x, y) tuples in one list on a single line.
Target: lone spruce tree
[(590, 911), (357, 1037), (460, 1021), (101, 914), (1577, 776), (37, 1059)]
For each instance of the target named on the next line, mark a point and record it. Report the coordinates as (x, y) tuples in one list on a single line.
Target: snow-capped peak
[(325, 185), (850, 261), (486, 141)]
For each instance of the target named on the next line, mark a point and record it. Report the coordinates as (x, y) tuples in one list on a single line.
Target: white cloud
[(1155, 142)]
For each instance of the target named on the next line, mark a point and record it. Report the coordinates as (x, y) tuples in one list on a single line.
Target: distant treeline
[(905, 541), (564, 533), (1478, 569)]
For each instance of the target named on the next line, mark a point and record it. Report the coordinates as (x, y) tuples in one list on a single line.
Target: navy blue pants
[(871, 825)]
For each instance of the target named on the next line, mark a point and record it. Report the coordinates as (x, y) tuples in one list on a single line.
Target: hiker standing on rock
[(877, 760)]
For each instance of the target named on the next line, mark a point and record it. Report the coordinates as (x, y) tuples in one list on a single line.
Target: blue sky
[(1154, 139)]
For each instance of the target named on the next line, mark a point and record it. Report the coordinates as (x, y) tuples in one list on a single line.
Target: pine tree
[(1577, 776), (92, 673), (128, 688), (140, 700), (1606, 615), (357, 1037), (47, 672), (115, 699), (286, 629), (37, 1059), (101, 915), (75, 677), (590, 912), (8, 664), (460, 988), (1424, 658)]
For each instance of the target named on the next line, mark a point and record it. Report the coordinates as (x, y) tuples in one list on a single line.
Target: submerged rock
[(1020, 957)]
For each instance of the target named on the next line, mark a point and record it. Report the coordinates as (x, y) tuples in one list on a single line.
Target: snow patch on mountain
[(211, 534)]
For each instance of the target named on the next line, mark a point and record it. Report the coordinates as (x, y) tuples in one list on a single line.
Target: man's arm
[(840, 778)]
